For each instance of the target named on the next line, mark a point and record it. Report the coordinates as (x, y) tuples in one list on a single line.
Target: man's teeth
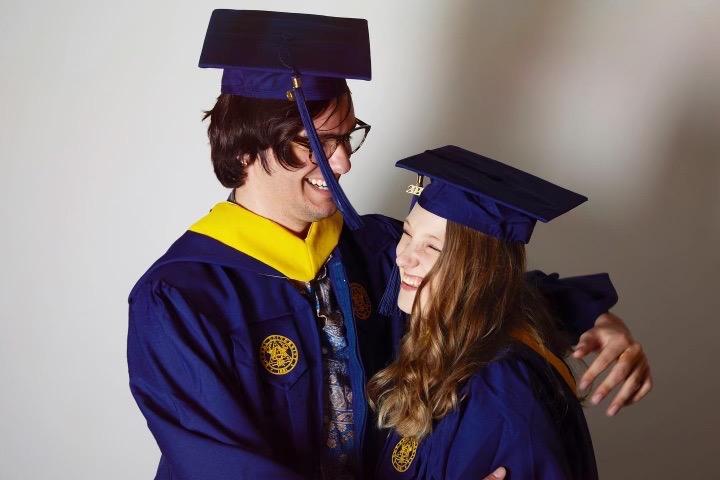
[(318, 183), (413, 282)]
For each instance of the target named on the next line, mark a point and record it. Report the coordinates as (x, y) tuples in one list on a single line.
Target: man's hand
[(498, 474), (612, 340)]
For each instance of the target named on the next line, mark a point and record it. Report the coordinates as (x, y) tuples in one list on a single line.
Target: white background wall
[(105, 161)]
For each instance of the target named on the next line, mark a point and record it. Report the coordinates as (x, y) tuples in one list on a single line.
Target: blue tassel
[(413, 201), (350, 216), (388, 303)]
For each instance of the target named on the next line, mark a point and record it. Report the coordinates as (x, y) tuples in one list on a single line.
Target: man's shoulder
[(194, 261), (377, 233), (378, 220), (376, 223), (223, 287)]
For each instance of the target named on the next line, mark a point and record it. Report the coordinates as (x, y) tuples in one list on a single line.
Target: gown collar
[(271, 243), (523, 335)]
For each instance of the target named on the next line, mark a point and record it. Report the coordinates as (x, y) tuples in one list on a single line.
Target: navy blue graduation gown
[(517, 413), (200, 318)]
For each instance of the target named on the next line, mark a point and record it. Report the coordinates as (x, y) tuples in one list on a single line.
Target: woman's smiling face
[(419, 248)]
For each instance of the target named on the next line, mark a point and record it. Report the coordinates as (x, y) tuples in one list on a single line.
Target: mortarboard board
[(483, 194), (278, 55), (487, 195)]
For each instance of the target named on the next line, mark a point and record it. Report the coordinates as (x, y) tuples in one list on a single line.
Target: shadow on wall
[(666, 259), (552, 89), (456, 90)]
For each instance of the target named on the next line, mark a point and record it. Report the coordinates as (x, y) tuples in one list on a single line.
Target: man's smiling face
[(296, 198)]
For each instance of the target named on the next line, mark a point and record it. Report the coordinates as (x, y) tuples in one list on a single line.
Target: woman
[(478, 382)]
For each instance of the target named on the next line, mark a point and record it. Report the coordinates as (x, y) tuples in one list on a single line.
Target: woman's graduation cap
[(486, 195), (483, 194), (278, 55)]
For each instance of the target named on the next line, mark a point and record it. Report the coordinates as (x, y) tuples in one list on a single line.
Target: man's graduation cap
[(483, 194), (298, 57)]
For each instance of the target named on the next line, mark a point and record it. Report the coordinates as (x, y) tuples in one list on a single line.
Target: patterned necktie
[(338, 416)]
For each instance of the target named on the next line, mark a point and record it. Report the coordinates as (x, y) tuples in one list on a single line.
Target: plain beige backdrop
[(105, 162)]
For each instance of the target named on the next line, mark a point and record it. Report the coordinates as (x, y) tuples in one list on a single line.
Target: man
[(251, 339)]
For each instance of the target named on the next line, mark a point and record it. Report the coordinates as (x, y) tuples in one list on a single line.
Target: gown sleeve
[(180, 377), (506, 424), (577, 301)]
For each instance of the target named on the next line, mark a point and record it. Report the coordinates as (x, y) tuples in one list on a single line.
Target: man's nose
[(340, 160)]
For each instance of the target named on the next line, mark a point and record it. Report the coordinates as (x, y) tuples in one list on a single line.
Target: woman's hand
[(611, 338)]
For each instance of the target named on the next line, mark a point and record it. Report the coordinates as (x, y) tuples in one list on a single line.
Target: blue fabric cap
[(487, 195), (260, 51), (271, 85)]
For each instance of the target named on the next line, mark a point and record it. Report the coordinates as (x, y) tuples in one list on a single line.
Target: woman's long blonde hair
[(477, 295)]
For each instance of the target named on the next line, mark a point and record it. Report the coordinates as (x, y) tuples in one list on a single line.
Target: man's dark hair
[(242, 126)]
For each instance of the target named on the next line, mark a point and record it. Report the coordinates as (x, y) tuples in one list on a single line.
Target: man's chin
[(318, 213)]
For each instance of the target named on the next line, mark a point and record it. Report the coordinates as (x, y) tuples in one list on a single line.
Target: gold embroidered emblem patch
[(278, 354), (362, 308), (404, 453)]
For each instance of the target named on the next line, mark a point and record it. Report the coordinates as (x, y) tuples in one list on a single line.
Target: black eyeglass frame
[(338, 139)]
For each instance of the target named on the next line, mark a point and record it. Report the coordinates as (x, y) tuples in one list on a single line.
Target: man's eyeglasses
[(352, 140)]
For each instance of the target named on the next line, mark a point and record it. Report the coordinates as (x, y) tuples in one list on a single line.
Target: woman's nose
[(405, 258)]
